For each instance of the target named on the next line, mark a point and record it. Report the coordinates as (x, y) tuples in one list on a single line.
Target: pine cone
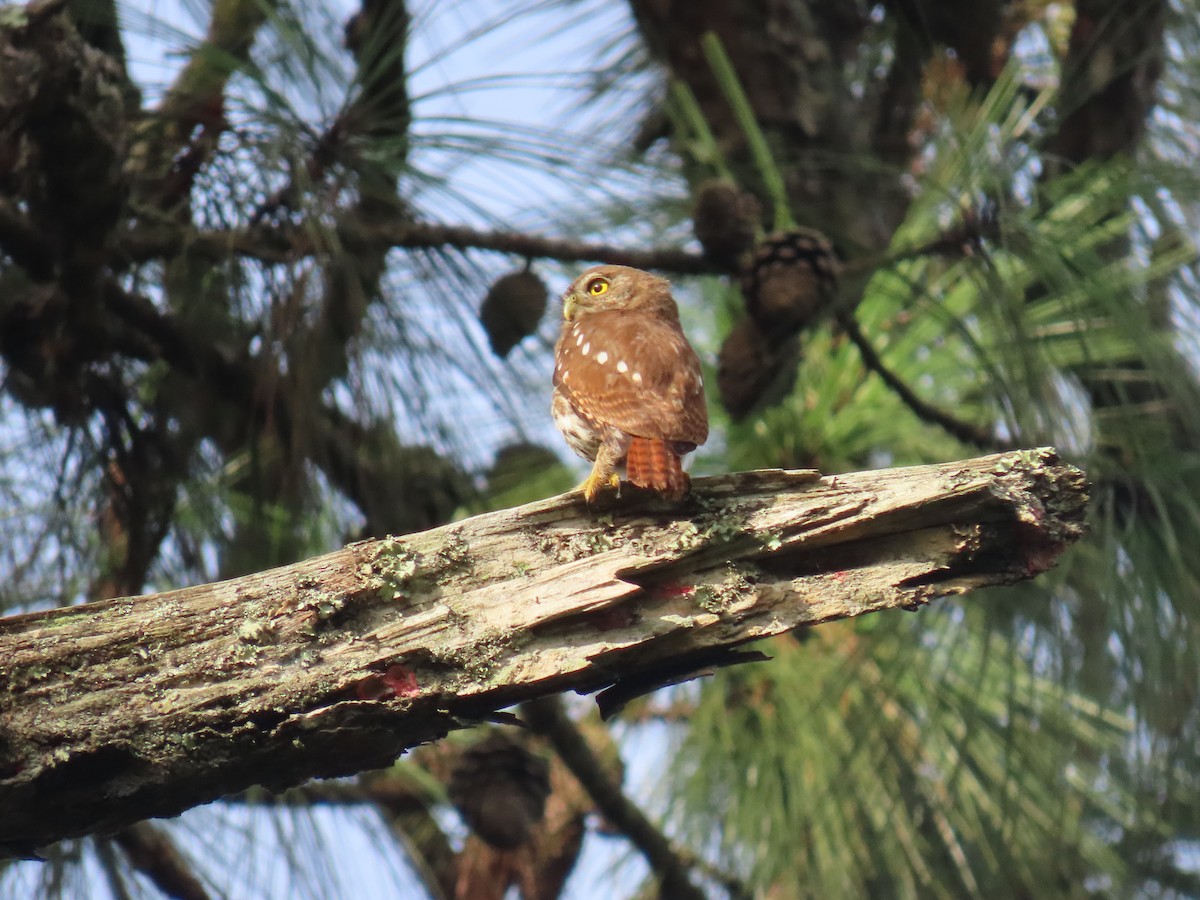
[(512, 309), (725, 220), (791, 279), (752, 373), (500, 788)]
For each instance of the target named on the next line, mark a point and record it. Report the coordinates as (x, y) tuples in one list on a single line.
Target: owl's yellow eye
[(597, 286)]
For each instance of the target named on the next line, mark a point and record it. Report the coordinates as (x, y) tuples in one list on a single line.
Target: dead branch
[(277, 244), (547, 717), (126, 709), (151, 852)]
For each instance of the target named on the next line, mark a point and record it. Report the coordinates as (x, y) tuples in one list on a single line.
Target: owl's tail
[(654, 464)]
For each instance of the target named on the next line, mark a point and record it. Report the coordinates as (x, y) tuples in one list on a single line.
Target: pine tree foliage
[(243, 328)]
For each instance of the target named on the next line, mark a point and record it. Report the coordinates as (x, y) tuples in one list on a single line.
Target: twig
[(405, 805), (143, 331), (547, 718), (278, 244), (969, 434), (192, 111), (155, 855)]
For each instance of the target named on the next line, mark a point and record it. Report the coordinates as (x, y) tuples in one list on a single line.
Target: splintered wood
[(139, 707)]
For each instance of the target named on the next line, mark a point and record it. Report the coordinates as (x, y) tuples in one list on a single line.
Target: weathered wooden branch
[(138, 707)]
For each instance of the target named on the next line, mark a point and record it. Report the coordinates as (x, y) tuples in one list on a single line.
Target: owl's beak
[(569, 305)]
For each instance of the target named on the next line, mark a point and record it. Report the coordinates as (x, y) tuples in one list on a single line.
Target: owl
[(627, 384)]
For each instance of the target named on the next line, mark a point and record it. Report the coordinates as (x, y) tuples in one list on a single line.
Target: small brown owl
[(627, 384)]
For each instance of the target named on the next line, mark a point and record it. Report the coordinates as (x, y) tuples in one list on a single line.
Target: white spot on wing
[(586, 347), (578, 337), (622, 367), (602, 357), (637, 377)]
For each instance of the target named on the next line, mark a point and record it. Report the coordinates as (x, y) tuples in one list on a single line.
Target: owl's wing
[(634, 371)]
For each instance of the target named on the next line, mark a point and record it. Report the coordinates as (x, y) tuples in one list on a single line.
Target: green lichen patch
[(723, 527), (716, 528), (718, 597), (685, 537), (26, 676), (392, 569), (569, 547), (589, 543), (256, 632), (454, 555), (479, 660), (320, 605)]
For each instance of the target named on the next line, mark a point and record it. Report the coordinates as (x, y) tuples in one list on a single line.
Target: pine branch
[(547, 717), (151, 852), (403, 803), (365, 461), (179, 140), (285, 244), (125, 709), (969, 434)]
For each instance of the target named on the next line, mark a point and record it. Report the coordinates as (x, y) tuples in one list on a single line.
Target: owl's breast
[(580, 432)]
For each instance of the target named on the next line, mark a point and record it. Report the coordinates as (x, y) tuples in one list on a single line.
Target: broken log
[(132, 708)]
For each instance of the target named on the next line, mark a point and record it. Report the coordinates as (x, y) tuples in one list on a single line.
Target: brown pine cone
[(500, 788), (791, 279), (512, 309), (751, 372), (725, 220)]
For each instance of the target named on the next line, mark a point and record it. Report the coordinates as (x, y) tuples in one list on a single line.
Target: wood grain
[(133, 708)]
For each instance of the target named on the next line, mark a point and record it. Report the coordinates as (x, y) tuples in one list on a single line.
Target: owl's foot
[(594, 482)]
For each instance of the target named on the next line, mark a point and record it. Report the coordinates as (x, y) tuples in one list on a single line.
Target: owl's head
[(604, 288)]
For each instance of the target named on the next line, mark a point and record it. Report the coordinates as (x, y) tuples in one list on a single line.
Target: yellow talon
[(604, 472), (594, 482), (590, 488)]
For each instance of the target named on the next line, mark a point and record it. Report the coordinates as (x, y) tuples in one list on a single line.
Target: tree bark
[(131, 708)]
